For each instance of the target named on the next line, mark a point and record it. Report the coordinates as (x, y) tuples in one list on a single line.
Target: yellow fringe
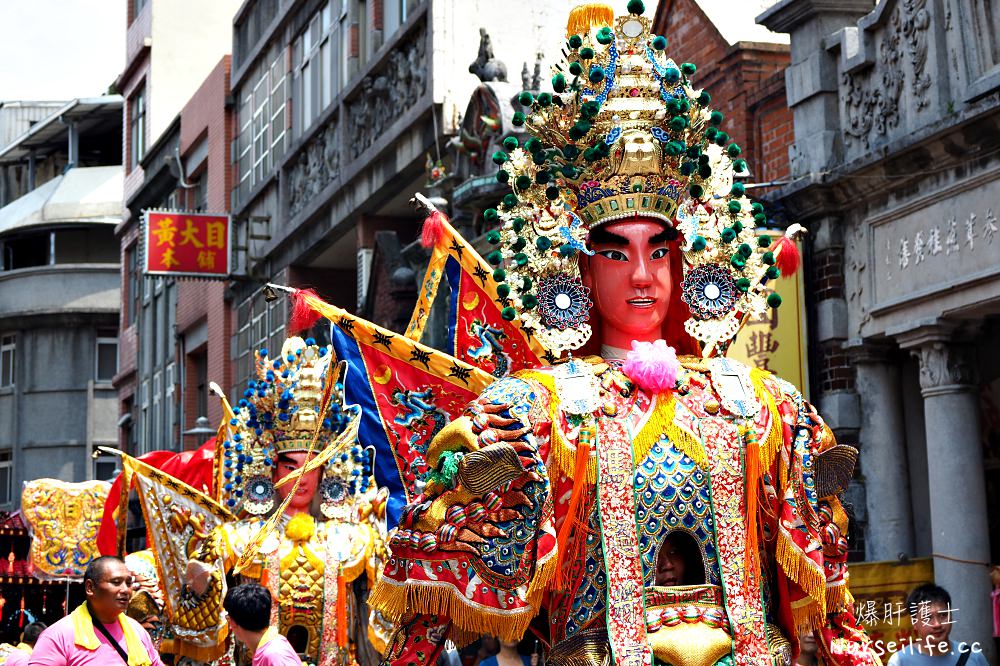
[(803, 571), (808, 617), (398, 601), (775, 440), (660, 423), (838, 598), (591, 15), (563, 453)]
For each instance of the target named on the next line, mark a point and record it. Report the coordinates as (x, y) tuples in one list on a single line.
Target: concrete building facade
[(339, 105), (896, 168), (173, 63), (59, 295)]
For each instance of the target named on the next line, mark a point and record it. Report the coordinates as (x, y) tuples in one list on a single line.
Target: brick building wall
[(203, 313), (746, 81)]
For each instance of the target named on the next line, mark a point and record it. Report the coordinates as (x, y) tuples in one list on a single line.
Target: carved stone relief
[(871, 97), (943, 364), (317, 165), (856, 275), (387, 93)]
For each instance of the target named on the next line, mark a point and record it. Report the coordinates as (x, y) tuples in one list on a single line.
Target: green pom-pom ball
[(494, 257), (544, 99), (559, 83), (659, 42), (525, 98), (774, 300), (510, 143), (636, 7), (575, 41), (596, 74), (671, 75), (523, 182), (704, 99), (697, 191), (510, 200), (529, 301), (743, 284), (575, 68), (543, 243), (587, 53), (772, 272), (499, 275), (500, 157), (689, 68), (502, 176), (518, 118), (733, 150), (503, 290), (490, 215), (552, 193), (764, 241), (493, 237), (738, 261), (717, 118), (508, 314), (605, 35), (768, 258), (738, 190), (746, 250), (699, 243), (734, 207), (728, 235)]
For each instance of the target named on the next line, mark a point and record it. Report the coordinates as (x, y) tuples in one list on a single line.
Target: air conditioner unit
[(365, 255)]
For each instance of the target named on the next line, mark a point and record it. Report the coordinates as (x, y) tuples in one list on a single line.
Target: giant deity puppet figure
[(628, 503), (314, 565)]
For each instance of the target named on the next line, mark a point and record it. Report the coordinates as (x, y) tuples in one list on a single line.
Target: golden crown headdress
[(623, 133), (280, 412)]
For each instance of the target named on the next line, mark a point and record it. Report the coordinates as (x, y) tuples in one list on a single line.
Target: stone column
[(882, 443), (960, 536)]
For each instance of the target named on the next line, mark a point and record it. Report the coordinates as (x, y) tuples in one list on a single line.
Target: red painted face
[(629, 279), (286, 464)]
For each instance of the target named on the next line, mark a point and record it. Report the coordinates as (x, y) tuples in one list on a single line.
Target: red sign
[(192, 244)]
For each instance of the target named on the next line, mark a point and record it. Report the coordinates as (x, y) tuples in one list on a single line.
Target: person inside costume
[(628, 250), (311, 559)]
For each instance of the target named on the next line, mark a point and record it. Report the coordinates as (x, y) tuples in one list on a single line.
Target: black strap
[(963, 658), (107, 634)]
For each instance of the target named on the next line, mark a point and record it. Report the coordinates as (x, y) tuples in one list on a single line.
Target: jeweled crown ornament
[(624, 133), (279, 412)]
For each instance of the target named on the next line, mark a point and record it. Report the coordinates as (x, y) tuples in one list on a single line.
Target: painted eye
[(658, 253), (614, 255)]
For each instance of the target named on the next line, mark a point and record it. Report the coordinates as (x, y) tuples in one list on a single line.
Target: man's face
[(629, 279), (669, 565), (288, 463), (110, 595), (932, 623)]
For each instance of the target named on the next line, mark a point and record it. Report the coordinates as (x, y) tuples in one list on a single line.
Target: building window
[(259, 325), (107, 358), (8, 354), (260, 143), (137, 127), (6, 476), (316, 60), (198, 195), (133, 295), (106, 467)]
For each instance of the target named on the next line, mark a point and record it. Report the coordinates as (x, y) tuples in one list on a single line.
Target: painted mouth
[(642, 302)]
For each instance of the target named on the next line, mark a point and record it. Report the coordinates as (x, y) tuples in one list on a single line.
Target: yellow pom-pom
[(583, 18), (300, 528)]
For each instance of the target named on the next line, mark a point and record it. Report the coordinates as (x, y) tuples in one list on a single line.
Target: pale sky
[(60, 49)]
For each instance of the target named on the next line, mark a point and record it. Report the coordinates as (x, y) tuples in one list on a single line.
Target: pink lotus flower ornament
[(652, 365)]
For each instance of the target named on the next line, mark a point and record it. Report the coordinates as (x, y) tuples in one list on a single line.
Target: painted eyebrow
[(668, 234), (601, 236)]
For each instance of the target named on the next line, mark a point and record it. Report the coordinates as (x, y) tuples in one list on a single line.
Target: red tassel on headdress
[(430, 233), (303, 317), (786, 255)]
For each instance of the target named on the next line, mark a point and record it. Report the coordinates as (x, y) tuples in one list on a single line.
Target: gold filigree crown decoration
[(624, 133), (280, 412)]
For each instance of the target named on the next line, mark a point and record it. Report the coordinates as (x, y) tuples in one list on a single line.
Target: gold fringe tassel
[(398, 601), (583, 18), (563, 453), (808, 617), (803, 571), (838, 598), (775, 440), (660, 423)]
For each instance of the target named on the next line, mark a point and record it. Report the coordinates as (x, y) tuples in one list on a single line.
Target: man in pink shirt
[(98, 633), (248, 609)]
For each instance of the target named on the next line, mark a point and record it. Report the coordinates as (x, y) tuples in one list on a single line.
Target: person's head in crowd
[(32, 632), (930, 613), (107, 582), (248, 610)]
